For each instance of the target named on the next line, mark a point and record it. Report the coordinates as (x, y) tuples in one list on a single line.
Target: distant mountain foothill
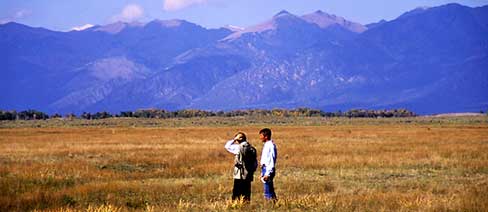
[(428, 60)]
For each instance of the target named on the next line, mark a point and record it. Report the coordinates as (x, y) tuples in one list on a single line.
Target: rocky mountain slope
[(429, 60)]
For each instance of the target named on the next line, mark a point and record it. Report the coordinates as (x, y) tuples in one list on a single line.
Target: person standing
[(268, 163), (245, 164)]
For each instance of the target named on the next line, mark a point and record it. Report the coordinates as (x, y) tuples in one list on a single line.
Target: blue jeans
[(269, 192)]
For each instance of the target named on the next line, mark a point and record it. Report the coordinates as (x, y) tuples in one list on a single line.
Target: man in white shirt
[(268, 163), (245, 164)]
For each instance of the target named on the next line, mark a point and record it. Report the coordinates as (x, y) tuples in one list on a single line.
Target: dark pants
[(242, 188), (269, 192)]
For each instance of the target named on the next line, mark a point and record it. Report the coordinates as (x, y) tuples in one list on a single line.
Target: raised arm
[(232, 147)]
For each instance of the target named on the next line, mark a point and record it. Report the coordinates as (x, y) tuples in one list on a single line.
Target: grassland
[(410, 164)]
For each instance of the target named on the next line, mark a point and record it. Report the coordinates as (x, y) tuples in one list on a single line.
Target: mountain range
[(429, 60)]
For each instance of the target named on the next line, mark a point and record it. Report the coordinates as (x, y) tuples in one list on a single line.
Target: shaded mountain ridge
[(430, 60)]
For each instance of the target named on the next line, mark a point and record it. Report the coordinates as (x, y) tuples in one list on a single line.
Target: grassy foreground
[(414, 164)]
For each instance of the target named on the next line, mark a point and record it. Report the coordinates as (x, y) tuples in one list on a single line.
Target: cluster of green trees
[(188, 113), (23, 115), (379, 113), (300, 112)]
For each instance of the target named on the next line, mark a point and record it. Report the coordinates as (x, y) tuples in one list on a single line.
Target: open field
[(411, 164)]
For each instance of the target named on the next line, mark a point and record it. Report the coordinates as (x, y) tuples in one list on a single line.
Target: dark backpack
[(249, 158)]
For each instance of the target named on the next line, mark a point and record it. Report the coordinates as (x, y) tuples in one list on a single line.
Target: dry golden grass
[(397, 166)]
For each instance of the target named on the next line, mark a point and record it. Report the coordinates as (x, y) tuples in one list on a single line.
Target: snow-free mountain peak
[(234, 28), (325, 20), (282, 13), (283, 18), (116, 27), (169, 23)]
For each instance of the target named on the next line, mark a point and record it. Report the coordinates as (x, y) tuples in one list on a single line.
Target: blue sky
[(65, 14)]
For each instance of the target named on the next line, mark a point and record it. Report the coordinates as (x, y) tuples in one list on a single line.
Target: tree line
[(190, 113)]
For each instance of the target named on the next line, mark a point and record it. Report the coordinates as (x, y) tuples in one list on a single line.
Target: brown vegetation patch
[(351, 165)]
